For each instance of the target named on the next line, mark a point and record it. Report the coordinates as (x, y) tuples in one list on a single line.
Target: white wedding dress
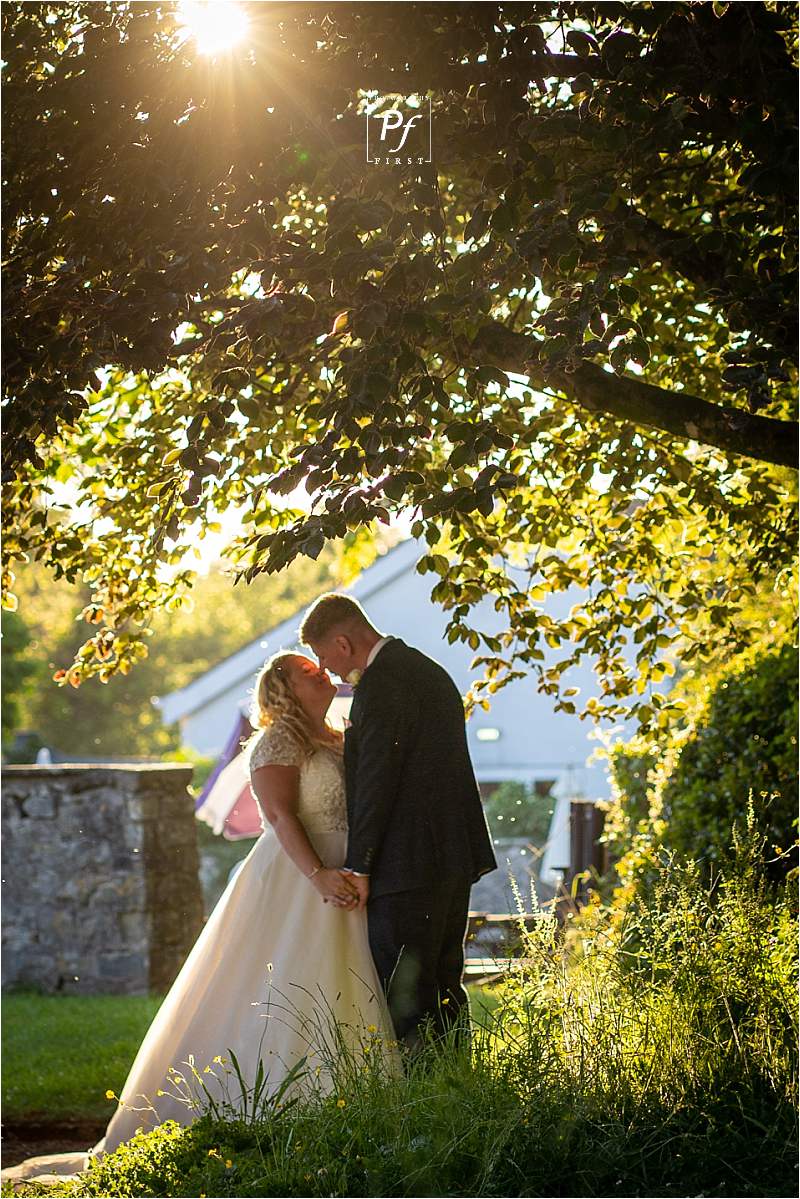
[(276, 976)]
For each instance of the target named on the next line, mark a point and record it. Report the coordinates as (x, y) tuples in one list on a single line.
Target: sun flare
[(214, 25)]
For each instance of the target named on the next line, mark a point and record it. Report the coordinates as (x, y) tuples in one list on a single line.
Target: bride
[(282, 971)]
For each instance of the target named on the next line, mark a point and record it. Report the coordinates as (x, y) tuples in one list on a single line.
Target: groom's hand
[(361, 884)]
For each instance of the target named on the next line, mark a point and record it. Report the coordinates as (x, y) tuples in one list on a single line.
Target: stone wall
[(101, 890)]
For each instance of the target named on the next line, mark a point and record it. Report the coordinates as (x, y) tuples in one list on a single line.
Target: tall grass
[(649, 1055)]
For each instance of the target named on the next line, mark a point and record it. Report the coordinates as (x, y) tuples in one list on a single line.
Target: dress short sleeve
[(276, 747)]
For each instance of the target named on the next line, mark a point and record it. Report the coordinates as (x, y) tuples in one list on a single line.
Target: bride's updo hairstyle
[(275, 703)]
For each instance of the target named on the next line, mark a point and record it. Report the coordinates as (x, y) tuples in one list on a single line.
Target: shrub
[(745, 739), (516, 810), (683, 795)]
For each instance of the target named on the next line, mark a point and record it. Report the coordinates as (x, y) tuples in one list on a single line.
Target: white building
[(520, 738)]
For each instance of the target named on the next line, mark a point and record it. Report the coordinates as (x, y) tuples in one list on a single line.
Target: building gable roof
[(236, 669)]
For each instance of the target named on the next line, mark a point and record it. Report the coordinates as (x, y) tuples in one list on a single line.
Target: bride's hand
[(334, 888)]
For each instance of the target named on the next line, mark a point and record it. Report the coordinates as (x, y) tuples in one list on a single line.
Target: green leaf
[(627, 293), (638, 351), (582, 83), (582, 43), (491, 374)]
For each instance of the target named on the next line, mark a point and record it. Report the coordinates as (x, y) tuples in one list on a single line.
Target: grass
[(649, 1055), (62, 1052), (47, 1073)]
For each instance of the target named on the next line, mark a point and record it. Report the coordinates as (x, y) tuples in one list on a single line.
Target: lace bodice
[(322, 806)]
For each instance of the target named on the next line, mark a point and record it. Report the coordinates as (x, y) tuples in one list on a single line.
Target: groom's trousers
[(417, 941)]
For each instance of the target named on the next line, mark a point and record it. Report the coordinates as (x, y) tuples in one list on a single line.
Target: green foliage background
[(515, 810), (18, 670), (118, 719)]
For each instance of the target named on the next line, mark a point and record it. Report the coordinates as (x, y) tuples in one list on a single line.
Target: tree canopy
[(565, 344)]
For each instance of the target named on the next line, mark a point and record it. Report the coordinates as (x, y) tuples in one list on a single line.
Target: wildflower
[(110, 1095), (207, 1070), (228, 1163), (218, 1060), (372, 1028), (341, 1102), (307, 1178), (159, 1092), (213, 1153)]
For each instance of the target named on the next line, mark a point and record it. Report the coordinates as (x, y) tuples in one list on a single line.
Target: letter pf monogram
[(393, 119), (395, 126)]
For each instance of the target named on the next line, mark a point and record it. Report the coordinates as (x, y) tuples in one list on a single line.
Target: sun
[(214, 25)]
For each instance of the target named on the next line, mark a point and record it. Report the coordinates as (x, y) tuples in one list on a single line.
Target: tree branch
[(687, 416), (624, 396)]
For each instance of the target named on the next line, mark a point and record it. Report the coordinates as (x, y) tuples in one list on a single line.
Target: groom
[(417, 832)]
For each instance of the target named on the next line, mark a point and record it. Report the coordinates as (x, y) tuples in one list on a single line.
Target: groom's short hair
[(329, 612)]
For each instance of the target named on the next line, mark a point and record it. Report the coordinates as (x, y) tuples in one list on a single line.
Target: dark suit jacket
[(414, 808)]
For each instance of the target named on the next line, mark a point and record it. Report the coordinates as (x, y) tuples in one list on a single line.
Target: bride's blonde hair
[(274, 702)]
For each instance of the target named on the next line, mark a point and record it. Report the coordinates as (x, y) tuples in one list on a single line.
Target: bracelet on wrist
[(316, 870)]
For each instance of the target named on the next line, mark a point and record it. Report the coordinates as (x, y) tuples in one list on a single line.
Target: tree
[(567, 343)]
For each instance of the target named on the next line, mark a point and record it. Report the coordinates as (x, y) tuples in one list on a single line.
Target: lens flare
[(214, 25)]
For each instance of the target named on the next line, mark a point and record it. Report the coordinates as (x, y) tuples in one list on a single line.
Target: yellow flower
[(213, 1153), (159, 1092), (218, 1060), (340, 1103), (228, 1163), (307, 1177), (372, 1028), (110, 1095)]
